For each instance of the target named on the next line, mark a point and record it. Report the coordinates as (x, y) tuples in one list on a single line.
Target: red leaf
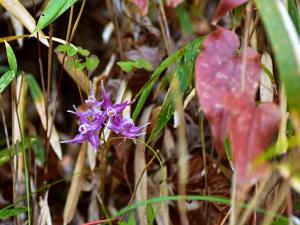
[(225, 6), (251, 129), (218, 73), (142, 5), (173, 3)]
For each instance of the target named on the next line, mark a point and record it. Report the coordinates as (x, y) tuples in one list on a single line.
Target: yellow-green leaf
[(285, 44), (12, 61), (6, 79), (52, 11)]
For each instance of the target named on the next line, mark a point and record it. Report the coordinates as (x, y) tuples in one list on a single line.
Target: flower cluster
[(101, 114)]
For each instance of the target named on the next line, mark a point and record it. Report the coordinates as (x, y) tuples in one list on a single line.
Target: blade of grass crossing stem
[(52, 11), (293, 11), (146, 89), (4, 214), (183, 77), (39, 103), (278, 24), (213, 199), (6, 79), (12, 61)]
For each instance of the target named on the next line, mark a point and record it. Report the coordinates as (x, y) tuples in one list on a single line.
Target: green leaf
[(238, 13), (91, 63), (11, 212), (228, 150), (62, 48), (34, 88), (83, 52), (12, 61), (150, 214), (39, 151), (146, 89), (206, 198), (130, 66), (143, 64), (126, 66), (131, 220), (293, 11), (5, 154), (182, 79), (71, 51), (52, 11), (286, 50), (78, 64), (185, 22), (6, 79)]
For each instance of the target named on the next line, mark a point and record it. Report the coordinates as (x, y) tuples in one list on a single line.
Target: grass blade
[(286, 50), (293, 11), (146, 89), (11, 212), (180, 82), (52, 11), (12, 61), (6, 79)]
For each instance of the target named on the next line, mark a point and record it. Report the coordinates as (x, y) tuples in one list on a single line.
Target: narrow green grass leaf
[(146, 89), (185, 22), (285, 44), (150, 214), (293, 11), (6, 79), (34, 88), (52, 11), (12, 61), (5, 154), (180, 82), (39, 151), (206, 198), (11, 212)]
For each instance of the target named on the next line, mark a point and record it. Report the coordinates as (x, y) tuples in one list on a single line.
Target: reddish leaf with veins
[(225, 6), (251, 129), (142, 5), (218, 73)]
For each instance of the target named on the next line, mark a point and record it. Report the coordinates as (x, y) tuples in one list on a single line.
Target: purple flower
[(125, 127), (86, 133), (111, 109), (103, 113)]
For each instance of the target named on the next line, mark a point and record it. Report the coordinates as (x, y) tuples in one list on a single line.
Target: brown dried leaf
[(78, 76)]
